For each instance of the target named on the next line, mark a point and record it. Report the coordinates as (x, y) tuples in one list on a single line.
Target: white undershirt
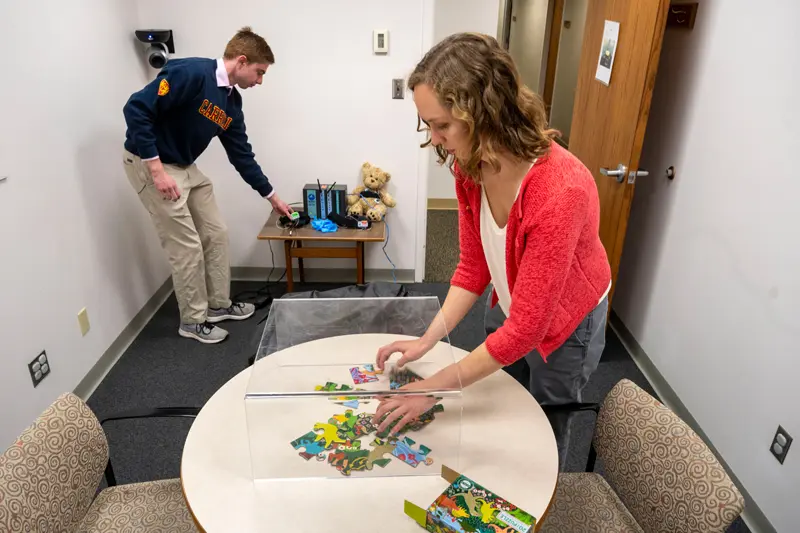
[(493, 239)]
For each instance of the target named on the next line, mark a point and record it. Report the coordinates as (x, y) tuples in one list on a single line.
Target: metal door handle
[(633, 174), (619, 173)]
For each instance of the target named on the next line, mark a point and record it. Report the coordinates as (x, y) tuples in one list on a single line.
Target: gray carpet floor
[(160, 369), (441, 248)]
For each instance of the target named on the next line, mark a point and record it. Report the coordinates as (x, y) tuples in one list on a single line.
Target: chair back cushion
[(50, 475), (660, 468)]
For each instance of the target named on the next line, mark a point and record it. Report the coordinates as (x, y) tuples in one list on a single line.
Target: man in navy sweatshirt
[(170, 123)]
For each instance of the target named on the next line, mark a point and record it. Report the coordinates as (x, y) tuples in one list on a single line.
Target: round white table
[(507, 445)]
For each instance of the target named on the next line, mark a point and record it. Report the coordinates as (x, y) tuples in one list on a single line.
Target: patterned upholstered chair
[(49, 479), (666, 478)]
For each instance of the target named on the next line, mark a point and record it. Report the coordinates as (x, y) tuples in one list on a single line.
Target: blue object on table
[(325, 226)]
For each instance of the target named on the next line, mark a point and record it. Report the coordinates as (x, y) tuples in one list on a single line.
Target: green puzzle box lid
[(466, 506)]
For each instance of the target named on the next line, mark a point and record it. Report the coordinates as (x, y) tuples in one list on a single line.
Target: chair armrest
[(158, 412), (574, 408)]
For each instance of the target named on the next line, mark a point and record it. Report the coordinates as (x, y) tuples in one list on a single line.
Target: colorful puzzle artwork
[(314, 448), (401, 376), (340, 436), (350, 459), (467, 506), (348, 401), (403, 450), (365, 374)]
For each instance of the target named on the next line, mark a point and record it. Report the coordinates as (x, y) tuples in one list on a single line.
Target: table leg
[(360, 261), (300, 264), (287, 246)]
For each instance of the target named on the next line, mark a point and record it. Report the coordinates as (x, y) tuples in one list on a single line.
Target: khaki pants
[(192, 233)]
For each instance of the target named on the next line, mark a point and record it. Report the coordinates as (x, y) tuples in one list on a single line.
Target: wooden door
[(609, 121)]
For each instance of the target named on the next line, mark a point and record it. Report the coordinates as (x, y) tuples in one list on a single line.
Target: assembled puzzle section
[(340, 442), (467, 506), (315, 387)]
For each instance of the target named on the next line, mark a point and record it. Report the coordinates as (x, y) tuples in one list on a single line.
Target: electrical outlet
[(780, 444), (83, 321), (39, 368), (397, 89)]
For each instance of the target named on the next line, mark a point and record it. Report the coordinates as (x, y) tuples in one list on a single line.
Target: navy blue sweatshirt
[(176, 115)]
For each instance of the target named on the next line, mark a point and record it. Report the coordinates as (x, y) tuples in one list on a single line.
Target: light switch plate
[(397, 89), (380, 41), (83, 321)]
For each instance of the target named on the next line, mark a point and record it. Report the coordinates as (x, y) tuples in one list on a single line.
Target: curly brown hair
[(251, 45), (476, 79)]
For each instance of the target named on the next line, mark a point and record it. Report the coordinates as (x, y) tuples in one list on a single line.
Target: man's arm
[(241, 156), (171, 88)]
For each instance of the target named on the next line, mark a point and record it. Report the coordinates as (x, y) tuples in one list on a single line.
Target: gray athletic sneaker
[(205, 332), (237, 311)]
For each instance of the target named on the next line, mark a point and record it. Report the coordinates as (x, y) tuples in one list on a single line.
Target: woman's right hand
[(410, 350)]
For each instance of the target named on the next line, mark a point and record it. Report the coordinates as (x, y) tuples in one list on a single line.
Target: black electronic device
[(321, 199), (301, 220), (350, 221), (161, 46)]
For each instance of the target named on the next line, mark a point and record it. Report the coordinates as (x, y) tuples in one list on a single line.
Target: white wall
[(72, 231), (325, 107), (709, 280), (528, 40), (569, 58), (454, 16)]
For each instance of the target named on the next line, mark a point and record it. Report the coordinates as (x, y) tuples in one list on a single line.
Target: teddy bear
[(371, 199)]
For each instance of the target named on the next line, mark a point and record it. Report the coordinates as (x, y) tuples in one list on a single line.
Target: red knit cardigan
[(557, 267)]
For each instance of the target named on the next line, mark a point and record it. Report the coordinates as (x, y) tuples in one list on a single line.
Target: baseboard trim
[(323, 275), (752, 515), (445, 204), (95, 376)]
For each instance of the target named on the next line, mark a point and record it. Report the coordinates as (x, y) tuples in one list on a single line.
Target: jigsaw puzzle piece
[(403, 450), (348, 401), (364, 374), (424, 419), (364, 424), (313, 447), (345, 424), (347, 459), (380, 447), (329, 434), (401, 376)]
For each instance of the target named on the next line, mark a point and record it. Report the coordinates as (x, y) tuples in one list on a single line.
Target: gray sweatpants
[(562, 378)]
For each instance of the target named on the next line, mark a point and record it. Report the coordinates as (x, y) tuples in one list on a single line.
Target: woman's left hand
[(405, 408)]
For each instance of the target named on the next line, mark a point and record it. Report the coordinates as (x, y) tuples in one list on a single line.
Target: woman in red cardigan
[(529, 218)]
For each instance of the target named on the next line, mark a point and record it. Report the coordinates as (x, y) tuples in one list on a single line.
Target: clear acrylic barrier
[(300, 426)]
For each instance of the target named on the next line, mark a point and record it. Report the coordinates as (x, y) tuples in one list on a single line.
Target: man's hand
[(164, 182), (279, 205)]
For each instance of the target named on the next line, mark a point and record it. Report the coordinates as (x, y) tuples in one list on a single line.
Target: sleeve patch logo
[(163, 88)]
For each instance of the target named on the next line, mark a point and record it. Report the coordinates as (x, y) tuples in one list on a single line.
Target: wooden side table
[(293, 244)]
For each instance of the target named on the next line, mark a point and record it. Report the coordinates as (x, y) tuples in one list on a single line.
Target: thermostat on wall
[(380, 41)]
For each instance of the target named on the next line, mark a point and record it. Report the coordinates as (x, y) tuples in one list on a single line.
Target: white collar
[(222, 76)]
